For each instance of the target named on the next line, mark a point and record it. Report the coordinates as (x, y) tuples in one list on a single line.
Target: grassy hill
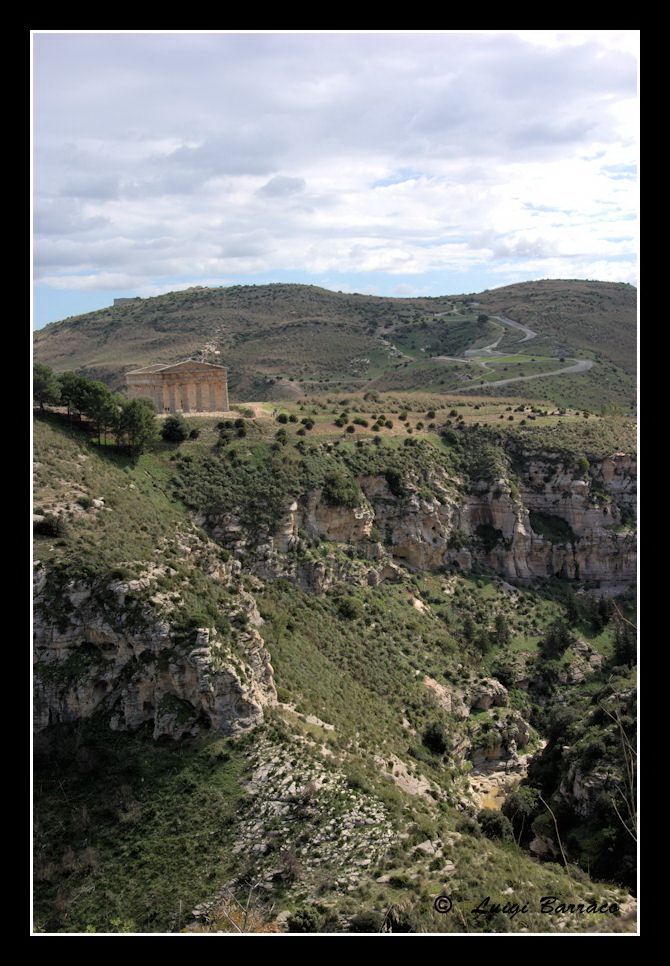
[(342, 810), (598, 317), (283, 341)]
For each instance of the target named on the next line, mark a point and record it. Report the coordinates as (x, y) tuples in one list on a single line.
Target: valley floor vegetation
[(360, 803)]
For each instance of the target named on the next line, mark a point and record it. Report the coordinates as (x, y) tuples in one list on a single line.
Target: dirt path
[(580, 365)]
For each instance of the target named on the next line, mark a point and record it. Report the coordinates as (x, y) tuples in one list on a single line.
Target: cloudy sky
[(392, 163)]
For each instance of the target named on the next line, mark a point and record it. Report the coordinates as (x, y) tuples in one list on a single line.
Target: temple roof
[(187, 365)]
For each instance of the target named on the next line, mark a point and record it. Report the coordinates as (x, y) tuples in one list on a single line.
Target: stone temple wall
[(195, 387)]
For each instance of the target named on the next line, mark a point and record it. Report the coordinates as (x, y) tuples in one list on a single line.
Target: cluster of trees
[(131, 422)]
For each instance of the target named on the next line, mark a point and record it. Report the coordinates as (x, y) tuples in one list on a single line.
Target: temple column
[(198, 395), (210, 396)]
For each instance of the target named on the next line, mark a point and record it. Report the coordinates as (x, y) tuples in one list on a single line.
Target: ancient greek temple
[(183, 387)]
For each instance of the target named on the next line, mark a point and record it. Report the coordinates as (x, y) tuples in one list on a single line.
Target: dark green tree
[(502, 632), (572, 612), (469, 628), (625, 645), (435, 739), (600, 611), (137, 425), (483, 642), (99, 405), (46, 388), (556, 640), (521, 807), (73, 389)]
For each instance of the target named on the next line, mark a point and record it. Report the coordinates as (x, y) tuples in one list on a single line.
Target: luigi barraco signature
[(548, 905)]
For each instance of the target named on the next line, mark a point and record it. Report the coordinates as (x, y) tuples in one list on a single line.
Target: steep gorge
[(314, 642)]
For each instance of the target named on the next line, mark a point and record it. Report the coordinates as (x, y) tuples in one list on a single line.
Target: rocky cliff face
[(548, 522), (104, 656), (102, 651)]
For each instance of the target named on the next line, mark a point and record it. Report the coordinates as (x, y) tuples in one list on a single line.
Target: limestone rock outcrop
[(124, 662), (549, 521)]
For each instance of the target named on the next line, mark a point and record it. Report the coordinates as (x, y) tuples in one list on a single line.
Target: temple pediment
[(188, 365)]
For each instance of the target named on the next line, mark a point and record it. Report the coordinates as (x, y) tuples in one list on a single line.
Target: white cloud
[(179, 154), (282, 186)]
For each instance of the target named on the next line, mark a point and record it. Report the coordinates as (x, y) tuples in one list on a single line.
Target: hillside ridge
[(285, 340)]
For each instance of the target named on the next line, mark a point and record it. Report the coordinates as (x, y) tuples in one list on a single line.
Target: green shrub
[(351, 608), (50, 526), (365, 922), (175, 429), (306, 919), (495, 825), (551, 527), (435, 738), (468, 825), (340, 490)]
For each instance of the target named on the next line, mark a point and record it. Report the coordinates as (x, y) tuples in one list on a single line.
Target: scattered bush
[(495, 825), (50, 526), (175, 429), (468, 825), (365, 922), (306, 919), (340, 490), (435, 738)]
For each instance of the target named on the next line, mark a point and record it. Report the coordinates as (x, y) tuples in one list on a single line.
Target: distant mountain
[(284, 341)]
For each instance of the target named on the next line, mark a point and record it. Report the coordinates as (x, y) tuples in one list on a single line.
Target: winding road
[(578, 365)]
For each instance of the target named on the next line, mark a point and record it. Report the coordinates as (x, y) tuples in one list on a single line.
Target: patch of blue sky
[(621, 172), (547, 209), (398, 177), (53, 305)]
